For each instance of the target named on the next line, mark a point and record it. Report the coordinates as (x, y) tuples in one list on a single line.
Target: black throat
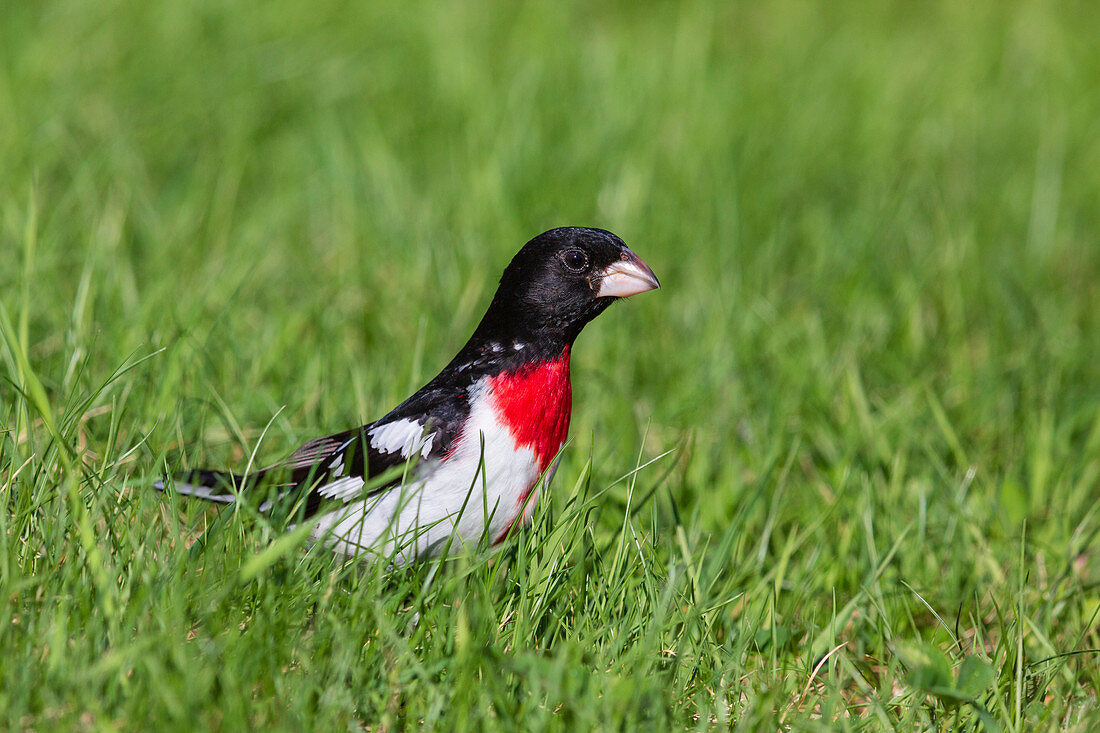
[(510, 335)]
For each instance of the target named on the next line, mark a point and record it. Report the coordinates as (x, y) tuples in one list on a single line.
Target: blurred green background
[(874, 354)]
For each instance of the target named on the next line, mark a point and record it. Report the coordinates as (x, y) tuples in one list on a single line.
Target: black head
[(560, 281)]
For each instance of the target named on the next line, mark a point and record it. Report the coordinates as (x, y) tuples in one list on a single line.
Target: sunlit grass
[(226, 229)]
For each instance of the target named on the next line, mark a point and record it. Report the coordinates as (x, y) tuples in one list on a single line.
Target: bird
[(463, 459)]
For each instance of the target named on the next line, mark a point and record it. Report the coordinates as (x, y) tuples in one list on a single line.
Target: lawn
[(841, 473)]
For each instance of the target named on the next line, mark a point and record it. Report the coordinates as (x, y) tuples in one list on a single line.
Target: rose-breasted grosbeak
[(475, 439)]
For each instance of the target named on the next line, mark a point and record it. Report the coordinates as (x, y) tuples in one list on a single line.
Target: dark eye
[(575, 259)]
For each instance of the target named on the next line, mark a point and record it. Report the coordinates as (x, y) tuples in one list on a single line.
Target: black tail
[(219, 486)]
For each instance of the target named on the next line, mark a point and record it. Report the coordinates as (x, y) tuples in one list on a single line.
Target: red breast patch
[(535, 403)]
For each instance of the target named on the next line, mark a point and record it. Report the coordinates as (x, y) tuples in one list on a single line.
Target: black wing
[(422, 428), (337, 466)]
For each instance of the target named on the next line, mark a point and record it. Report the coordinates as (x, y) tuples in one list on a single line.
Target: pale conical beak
[(628, 276)]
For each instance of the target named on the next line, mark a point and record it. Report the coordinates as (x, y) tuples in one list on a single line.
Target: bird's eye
[(575, 259)]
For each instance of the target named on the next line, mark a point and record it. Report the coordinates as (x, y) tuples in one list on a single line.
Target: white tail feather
[(201, 492)]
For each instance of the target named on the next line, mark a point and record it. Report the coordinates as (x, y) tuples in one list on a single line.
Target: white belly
[(475, 495)]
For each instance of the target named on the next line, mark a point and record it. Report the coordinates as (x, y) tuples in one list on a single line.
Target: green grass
[(226, 228)]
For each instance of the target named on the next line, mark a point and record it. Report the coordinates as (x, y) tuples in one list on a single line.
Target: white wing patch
[(345, 489), (404, 436), (337, 466)]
